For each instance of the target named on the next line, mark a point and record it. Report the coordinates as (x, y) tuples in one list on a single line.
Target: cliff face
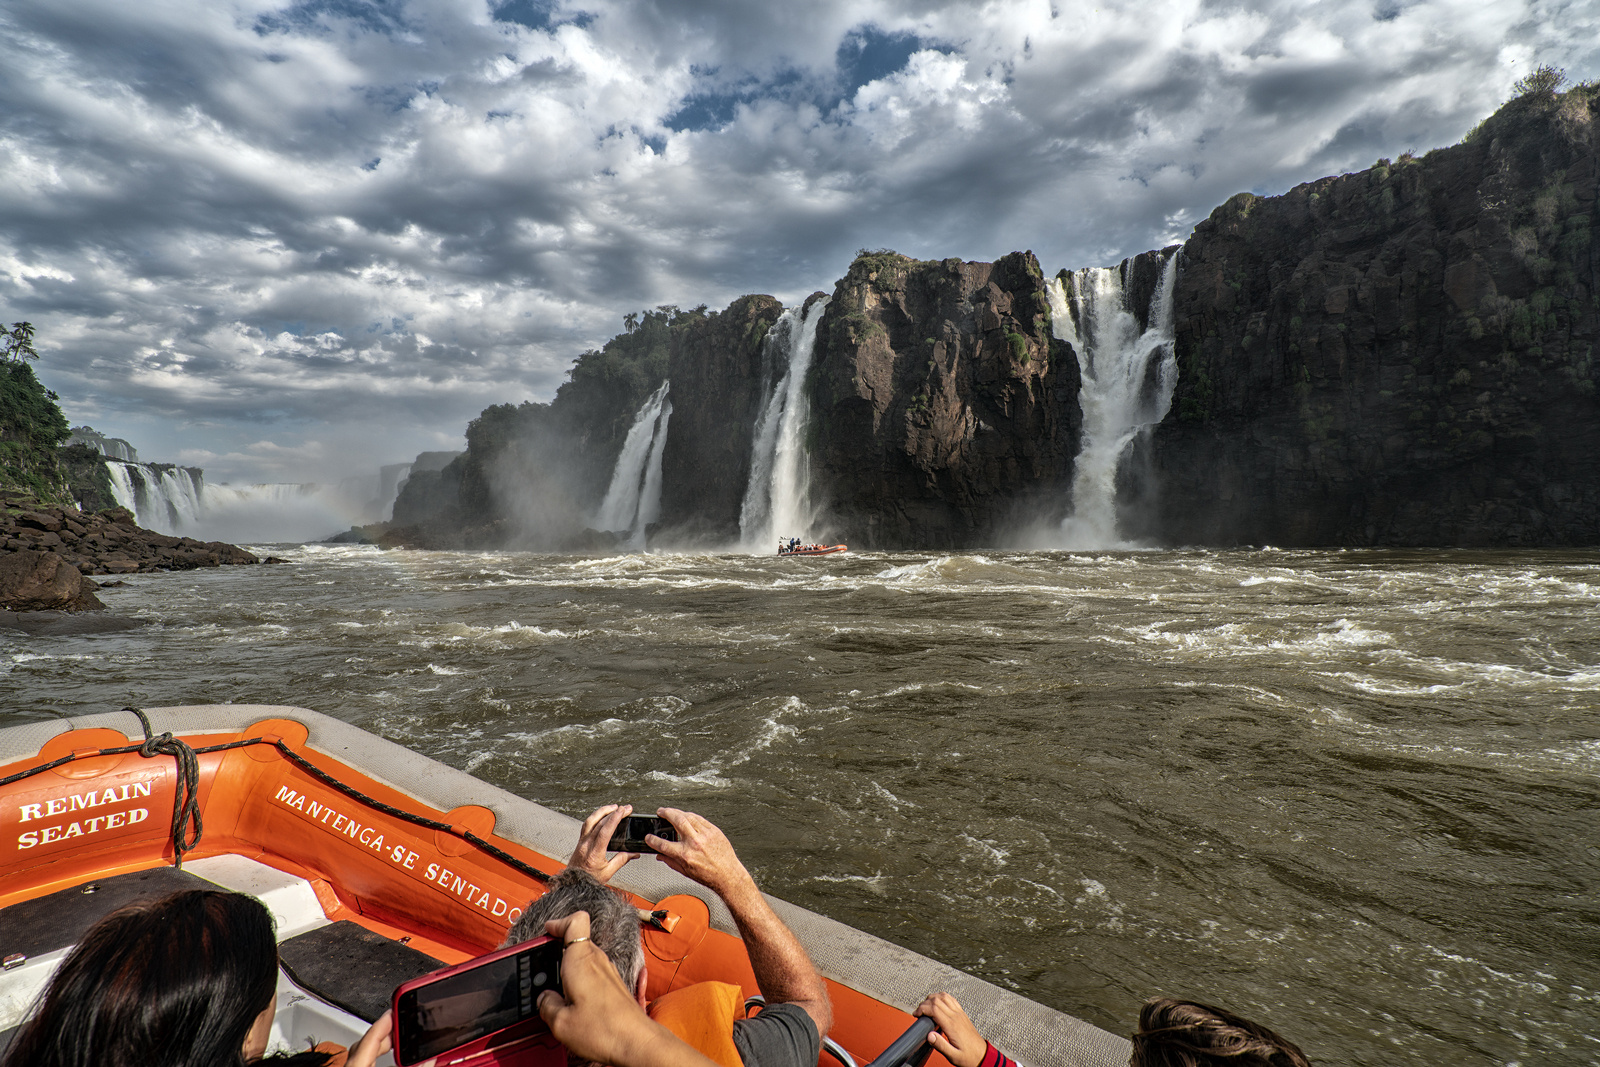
[(1403, 356), (940, 401), (715, 368), (534, 474)]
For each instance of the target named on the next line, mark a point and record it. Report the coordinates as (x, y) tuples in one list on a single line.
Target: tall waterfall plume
[(777, 499), (633, 500), (1128, 375)]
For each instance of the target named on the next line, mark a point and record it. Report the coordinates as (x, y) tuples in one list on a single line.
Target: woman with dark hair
[(1172, 1033), (189, 980)]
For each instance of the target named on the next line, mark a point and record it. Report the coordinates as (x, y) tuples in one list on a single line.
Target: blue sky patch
[(538, 14), (867, 53), (378, 16)]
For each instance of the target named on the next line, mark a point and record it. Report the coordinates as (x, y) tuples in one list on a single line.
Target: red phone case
[(528, 1043)]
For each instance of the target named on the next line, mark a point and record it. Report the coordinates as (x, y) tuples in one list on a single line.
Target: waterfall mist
[(177, 501), (633, 499), (777, 499), (1128, 374)]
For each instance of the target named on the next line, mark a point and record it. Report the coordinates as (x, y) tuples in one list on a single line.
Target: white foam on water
[(986, 849), (877, 884), (894, 801)]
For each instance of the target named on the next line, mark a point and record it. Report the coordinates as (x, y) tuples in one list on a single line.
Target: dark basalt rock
[(1404, 356), (941, 402), (715, 370), (45, 552), (63, 624)]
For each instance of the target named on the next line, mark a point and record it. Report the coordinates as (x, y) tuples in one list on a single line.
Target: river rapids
[(1355, 795)]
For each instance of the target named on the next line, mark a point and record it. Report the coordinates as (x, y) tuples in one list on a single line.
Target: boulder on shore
[(32, 580), (46, 551)]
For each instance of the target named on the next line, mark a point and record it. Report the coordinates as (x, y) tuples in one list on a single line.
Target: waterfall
[(777, 498), (633, 500), (165, 499), (177, 501), (1128, 375)]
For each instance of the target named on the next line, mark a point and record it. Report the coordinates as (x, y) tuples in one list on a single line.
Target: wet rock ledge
[(45, 552)]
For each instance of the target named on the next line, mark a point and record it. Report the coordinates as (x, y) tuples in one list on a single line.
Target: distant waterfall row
[(177, 501), (1128, 375), (777, 499), (633, 500)]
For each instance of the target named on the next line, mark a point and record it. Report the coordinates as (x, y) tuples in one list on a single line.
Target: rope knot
[(186, 825)]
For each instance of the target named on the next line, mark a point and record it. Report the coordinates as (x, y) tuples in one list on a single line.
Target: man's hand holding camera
[(590, 853), (703, 853)]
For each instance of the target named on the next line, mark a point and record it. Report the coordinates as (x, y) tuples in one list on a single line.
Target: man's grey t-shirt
[(782, 1035)]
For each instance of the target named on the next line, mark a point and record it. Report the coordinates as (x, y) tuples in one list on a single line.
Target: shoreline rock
[(66, 624), (46, 551)]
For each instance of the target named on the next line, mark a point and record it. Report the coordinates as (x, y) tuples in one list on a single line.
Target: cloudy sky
[(289, 241)]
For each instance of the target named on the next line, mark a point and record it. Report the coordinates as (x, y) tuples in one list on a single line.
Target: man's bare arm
[(782, 969)]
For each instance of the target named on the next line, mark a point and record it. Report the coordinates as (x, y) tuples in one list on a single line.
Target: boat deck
[(867, 976)]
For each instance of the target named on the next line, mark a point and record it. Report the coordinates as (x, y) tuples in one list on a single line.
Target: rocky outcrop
[(941, 403), (87, 477), (32, 580), (46, 551), (1403, 356), (429, 494), (715, 366)]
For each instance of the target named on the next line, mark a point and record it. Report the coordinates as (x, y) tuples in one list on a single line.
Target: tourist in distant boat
[(1172, 1033), (189, 980), (788, 1032)]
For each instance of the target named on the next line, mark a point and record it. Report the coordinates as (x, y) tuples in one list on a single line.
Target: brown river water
[(1355, 795)]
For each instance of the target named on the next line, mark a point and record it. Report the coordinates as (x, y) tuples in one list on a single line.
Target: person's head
[(613, 921), (1183, 1033), (175, 982)]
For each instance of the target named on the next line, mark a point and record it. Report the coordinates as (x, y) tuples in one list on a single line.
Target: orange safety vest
[(703, 1015)]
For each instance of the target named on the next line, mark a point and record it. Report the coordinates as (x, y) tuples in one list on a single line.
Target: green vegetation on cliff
[(32, 426)]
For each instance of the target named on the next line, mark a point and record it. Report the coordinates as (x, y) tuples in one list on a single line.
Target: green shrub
[(1019, 347), (1544, 81)]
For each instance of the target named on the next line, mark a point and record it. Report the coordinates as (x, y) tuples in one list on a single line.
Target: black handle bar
[(910, 1049)]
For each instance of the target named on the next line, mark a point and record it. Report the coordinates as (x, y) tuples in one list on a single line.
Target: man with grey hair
[(788, 1032)]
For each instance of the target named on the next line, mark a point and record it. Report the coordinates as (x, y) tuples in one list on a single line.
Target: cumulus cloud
[(304, 237)]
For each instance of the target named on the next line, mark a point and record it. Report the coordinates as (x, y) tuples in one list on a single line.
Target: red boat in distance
[(792, 547)]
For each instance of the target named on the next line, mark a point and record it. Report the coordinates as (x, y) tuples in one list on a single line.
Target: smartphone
[(478, 1006), (630, 833)]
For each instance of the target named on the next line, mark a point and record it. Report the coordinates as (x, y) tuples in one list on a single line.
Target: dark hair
[(1184, 1033), (175, 982), (613, 920)]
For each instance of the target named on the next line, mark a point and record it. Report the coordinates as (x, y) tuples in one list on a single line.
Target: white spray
[(777, 499), (1114, 361), (633, 500)]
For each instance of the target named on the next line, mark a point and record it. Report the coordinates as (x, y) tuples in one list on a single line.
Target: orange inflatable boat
[(813, 550), (379, 865)]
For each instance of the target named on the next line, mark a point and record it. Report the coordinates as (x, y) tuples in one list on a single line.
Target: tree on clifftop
[(16, 344), (1544, 81)]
